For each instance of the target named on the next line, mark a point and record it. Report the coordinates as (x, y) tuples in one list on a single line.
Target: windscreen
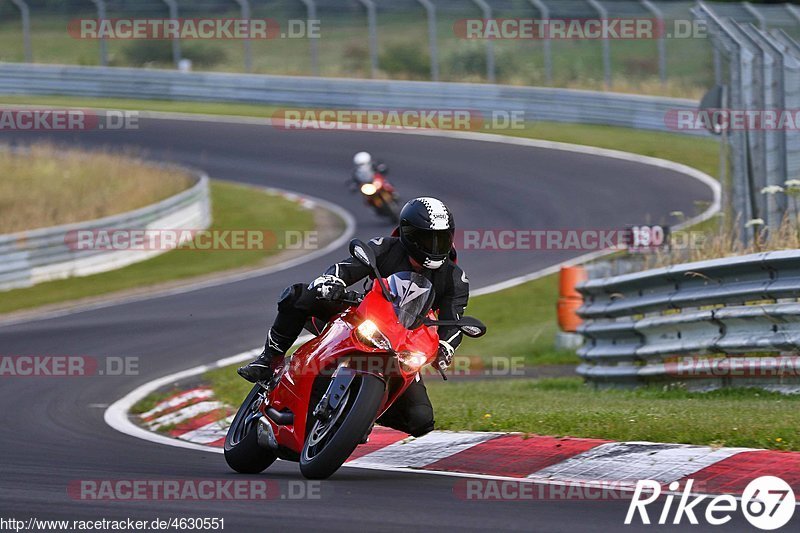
[(412, 297)]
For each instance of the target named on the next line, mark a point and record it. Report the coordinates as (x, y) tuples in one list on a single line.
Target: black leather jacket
[(450, 283)]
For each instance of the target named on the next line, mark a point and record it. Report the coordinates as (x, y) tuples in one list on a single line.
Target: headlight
[(369, 189), (411, 361), (369, 334)]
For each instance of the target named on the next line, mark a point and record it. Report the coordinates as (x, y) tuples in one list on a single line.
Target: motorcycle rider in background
[(364, 169), (425, 245)]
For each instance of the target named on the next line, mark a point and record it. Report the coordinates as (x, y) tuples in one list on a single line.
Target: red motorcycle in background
[(328, 396), (381, 196)]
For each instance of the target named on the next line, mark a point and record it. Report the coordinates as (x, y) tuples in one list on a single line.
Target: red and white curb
[(194, 416)]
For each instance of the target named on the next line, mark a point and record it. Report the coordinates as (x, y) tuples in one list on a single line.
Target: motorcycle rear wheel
[(242, 451), (329, 444)]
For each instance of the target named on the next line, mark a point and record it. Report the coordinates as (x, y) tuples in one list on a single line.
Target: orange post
[(569, 298)]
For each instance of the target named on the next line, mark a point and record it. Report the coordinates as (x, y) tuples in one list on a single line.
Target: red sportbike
[(326, 399), (381, 196)]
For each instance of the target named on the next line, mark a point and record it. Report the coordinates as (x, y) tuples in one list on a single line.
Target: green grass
[(522, 324), (565, 406), (233, 207), (228, 387)]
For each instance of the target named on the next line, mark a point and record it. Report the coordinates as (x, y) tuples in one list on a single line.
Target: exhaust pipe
[(265, 435)]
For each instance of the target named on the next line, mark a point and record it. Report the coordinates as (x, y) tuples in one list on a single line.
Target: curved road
[(52, 430)]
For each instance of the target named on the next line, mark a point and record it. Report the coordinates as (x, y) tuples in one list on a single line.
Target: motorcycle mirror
[(366, 256), (362, 252), (472, 327)]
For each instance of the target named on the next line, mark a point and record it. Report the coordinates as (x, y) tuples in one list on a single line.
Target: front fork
[(342, 379)]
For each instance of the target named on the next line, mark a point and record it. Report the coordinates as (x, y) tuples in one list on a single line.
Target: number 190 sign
[(646, 239)]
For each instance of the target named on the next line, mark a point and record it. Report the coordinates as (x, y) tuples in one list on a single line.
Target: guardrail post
[(755, 98), (787, 41), (25, 13), (372, 21), (547, 49), (311, 10), (762, 22), (775, 98), (176, 42), (101, 15), (244, 6), (430, 10), (794, 11), (662, 40), (740, 208), (602, 12), (491, 71)]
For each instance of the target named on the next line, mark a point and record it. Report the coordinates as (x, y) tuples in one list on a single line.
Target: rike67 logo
[(768, 503)]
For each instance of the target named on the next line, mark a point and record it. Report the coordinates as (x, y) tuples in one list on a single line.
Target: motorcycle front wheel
[(242, 451), (330, 442)]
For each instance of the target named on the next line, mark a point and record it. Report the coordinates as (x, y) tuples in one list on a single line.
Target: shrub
[(406, 60)]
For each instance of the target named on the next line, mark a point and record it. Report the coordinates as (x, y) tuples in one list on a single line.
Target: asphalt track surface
[(52, 430)]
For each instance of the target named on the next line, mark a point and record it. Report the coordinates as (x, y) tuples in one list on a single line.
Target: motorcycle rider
[(364, 169), (424, 244)]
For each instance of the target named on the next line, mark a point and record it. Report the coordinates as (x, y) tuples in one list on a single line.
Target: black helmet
[(426, 231)]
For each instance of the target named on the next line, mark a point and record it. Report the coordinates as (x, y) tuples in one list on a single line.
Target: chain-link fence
[(397, 39), (759, 71)]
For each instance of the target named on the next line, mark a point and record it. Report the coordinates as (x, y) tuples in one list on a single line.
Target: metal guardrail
[(31, 257), (537, 103), (705, 324)]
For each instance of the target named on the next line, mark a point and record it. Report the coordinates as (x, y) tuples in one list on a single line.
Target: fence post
[(794, 10), (762, 22), (662, 39), (603, 14), (775, 93), (430, 10), (26, 28), (176, 42), (741, 206), (101, 15), (311, 10), (244, 5), (372, 21), (547, 48), (491, 71), (755, 93)]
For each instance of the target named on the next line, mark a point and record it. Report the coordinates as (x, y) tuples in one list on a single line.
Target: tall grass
[(727, 242), (44, 186)]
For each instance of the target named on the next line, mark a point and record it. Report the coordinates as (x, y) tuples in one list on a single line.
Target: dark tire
[(242, 452), (358, 413)]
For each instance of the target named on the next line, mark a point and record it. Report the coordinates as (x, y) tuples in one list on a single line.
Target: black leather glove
[(328, 287), (445, 356)]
